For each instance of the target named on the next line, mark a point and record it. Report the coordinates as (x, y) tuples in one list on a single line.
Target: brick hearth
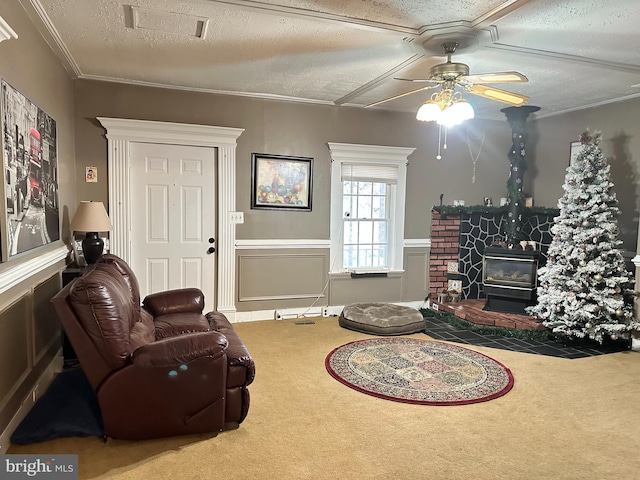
[(472, 311)]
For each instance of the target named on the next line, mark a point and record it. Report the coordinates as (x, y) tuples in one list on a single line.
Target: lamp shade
[(428, 112), (463, 109), (91, 217)]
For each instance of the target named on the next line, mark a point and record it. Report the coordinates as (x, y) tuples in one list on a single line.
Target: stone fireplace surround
[(460, 236)]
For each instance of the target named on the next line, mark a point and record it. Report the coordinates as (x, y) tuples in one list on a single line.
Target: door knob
[(210, 250), (211, 240)]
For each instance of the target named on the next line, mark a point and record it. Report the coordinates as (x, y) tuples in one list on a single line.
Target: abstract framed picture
[(576, 148), (280, 182), (30, 165)]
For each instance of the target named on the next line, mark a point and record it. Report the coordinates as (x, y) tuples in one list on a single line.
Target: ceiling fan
[(450, 75)]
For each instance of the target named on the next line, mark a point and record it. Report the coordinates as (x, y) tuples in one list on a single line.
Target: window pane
[(379, 188), (365, 234), (364, 257), (366, 224), (364, 207), (349, 258), (379, 207), (349, 206), (380, 257), (365, 188), (349, 187), (350, 232), (380, 232)]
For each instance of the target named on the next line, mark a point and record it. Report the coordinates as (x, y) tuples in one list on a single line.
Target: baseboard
[(29, 401), (289, 313)]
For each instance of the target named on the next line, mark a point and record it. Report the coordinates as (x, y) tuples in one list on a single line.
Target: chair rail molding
[(121, 133), (13, 276), (262, 244)]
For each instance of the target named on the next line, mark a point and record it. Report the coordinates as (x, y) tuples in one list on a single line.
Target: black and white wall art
[(30, 167)]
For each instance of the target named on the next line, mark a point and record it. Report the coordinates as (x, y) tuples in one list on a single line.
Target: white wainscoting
[(290, 246)]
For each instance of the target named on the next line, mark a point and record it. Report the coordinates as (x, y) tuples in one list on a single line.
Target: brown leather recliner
[(158, 369)]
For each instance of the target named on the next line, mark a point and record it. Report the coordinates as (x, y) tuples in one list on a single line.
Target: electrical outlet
[(325, 311)]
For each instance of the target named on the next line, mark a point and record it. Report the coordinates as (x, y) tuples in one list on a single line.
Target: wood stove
[(509, 278)]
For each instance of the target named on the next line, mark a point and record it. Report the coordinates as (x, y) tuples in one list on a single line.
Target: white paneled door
[(173, 220)]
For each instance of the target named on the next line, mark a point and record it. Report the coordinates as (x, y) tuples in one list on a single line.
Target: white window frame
[(348, 153)]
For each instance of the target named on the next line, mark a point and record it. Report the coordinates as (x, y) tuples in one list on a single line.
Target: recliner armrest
[(174, 351), (183, 300)]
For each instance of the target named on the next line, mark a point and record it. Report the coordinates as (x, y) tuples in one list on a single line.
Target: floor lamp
[(92, 218)]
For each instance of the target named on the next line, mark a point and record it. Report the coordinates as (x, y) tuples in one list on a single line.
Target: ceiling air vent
[(169, 22)]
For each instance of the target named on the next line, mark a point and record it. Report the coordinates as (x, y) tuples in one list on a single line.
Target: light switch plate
[(236, 217)]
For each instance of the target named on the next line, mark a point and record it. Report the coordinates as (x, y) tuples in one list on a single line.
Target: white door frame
[(120, 133)]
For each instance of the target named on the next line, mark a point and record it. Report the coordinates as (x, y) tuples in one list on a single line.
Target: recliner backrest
[(127, 275), (103, 303)]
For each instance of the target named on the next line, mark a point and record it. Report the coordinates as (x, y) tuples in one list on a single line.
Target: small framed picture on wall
[(91, 175)]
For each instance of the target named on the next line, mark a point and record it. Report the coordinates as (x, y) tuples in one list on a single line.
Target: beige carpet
[(563, 419)]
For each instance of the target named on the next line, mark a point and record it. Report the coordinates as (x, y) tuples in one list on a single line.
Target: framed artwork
[(30, 165), (279, 182), (576, 148), (91, 174)]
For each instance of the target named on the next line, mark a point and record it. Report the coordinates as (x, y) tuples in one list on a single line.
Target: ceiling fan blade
[(496, 94), (497, 77), (400, 96), (417, 80)]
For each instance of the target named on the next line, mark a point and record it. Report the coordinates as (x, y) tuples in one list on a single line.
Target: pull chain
[(475, 158), (444, 144)]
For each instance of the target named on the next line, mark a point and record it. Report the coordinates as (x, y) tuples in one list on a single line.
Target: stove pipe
[(517, 119)]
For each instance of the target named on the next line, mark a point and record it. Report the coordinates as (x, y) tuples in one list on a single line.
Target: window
[(367, 207)]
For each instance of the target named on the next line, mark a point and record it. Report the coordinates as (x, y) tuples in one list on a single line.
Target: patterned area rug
[(417, 371)]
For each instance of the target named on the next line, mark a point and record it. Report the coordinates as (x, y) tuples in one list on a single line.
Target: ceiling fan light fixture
[(429, 112), (449, 118), (461, 110)]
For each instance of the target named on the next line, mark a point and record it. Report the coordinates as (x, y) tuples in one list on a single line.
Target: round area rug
[(417, 371)]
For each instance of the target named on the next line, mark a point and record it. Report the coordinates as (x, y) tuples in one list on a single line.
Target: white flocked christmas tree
[(584, 290)]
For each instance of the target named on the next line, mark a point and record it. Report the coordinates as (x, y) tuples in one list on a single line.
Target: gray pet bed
[(382, 319)]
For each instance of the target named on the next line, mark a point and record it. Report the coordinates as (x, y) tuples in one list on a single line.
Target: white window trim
[(368, 154)]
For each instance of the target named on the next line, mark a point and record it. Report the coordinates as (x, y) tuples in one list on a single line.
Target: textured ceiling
[(576, 53)]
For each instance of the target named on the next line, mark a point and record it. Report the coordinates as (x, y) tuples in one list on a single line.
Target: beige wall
[(619, 123), (29, 335), (302, 129), (297, 129)]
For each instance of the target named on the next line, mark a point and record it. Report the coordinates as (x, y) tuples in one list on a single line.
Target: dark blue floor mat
[(69, 408)]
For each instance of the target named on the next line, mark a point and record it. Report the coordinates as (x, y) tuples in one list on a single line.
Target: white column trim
[(121, 133)]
